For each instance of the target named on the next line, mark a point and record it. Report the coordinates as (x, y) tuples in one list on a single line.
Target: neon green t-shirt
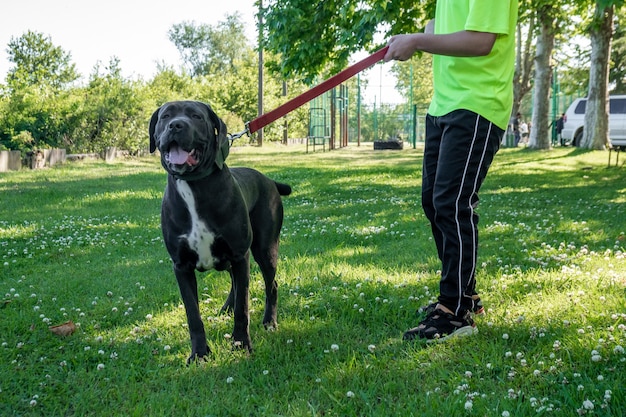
[(482, 84)]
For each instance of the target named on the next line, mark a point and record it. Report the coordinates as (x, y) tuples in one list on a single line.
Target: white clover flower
[(334, 347), (266, 372), (371, 348), (166, 347), (33, 403), (100, 366), (350, 394), (230, 380), (618, 349), (596, 358), (505, 336), (600, 378), (536, 372), (588, 405), (469, 405)]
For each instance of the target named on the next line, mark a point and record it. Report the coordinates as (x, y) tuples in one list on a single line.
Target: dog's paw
[(271, 326), (197, 359), (199, 355), (244, 346)]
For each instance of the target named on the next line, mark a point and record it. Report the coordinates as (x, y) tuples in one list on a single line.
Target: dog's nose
[(176, 125)]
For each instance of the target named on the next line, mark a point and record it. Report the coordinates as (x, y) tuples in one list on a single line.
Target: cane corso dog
[(213, 216)]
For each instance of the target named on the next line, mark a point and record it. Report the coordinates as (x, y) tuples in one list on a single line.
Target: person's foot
[(477, 310), (440, 325)]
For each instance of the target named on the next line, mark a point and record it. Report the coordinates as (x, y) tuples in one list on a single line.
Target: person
[(560, 124), (524, 131), (473, 47), (516, 122)]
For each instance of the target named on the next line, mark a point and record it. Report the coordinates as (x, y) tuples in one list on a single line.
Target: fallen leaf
[(64, 329)]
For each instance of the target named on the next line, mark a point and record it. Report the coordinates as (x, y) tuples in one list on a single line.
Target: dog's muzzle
[(176, 155)]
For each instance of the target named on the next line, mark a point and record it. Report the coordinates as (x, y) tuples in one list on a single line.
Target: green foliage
[(313, 38), (210, 50), (114, 113), (40, 101), (415, 80), (38, 62)]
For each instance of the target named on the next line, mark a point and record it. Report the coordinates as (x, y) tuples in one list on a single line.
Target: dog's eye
[(165, 116), (196, 116)]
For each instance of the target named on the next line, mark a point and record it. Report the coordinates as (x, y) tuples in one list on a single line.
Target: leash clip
[(233, 136)]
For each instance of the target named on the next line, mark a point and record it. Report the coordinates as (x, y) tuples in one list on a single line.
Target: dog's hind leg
[(267, 260), (229, 304), (188, 286)]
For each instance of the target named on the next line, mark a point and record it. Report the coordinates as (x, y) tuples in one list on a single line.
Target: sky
[(135, 31)]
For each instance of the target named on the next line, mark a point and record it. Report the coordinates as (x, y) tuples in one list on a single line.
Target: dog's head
[(191, 138)]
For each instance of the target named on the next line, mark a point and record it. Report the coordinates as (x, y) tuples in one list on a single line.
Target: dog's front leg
[(189, 292), (240, 286)]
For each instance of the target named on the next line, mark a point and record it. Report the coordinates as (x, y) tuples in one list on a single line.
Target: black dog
[(213, 216)]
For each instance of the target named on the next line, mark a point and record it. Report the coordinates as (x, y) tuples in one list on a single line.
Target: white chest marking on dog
[(199, 238)]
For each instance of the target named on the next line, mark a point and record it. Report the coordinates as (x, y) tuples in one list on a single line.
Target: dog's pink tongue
[(178, 156)]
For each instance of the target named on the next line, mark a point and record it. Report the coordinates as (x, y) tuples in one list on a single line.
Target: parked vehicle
[(575, 114)]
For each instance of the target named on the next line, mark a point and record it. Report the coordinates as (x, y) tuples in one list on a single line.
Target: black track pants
[(459, 149)]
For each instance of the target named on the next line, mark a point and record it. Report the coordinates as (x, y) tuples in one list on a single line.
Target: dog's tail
[(283, 189)]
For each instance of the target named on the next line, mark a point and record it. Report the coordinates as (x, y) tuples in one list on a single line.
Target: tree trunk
[(540, 137), (523, 63), (596, 132)]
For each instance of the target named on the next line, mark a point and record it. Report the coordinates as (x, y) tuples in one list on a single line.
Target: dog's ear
[(221, 137), (153, 122)]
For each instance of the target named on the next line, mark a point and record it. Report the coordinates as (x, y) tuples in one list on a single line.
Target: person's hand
[(404, 45), (401, 47)]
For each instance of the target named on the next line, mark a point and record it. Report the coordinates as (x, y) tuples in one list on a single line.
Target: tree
[(312, 38), (548, 13), (617, 75), (38, 62), (210, 50), (415, 79), (37, 103), (114, 113), (595, 134), (524, 52)]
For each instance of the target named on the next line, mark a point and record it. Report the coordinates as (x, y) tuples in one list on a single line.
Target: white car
[(575, 120)]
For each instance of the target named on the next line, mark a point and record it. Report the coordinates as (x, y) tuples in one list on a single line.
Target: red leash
[(309, 95)]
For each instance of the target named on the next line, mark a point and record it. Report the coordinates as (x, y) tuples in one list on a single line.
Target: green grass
[(82, 242)]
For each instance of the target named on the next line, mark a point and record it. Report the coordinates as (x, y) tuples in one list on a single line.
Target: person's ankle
[(444, 308)]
